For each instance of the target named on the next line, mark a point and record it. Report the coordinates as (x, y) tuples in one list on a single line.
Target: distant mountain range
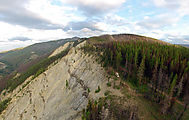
[(185, 45), (21, 59)]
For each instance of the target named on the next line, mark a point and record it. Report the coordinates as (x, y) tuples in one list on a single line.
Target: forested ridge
[(159, 71), (152, 77)]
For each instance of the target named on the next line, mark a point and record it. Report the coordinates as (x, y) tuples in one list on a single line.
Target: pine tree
[(154, 76), (141, 70), (126, 60), (161, 65), (172, 86), (160, 79), (136, 59), (118, 59), (169, 100)]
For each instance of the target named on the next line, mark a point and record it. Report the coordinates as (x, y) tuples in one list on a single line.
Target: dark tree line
[(163, 68)]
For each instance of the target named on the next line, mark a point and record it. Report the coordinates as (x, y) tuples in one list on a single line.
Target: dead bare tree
[(186, 101)]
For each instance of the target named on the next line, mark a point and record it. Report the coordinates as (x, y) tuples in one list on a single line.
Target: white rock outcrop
[(47, 97), (62, 48)]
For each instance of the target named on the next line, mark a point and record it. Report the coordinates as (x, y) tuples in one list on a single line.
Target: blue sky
[(24, 22)]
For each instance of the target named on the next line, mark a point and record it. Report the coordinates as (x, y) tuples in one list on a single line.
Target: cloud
[(80, 25), (20, 38), (159, 21), (171, 4), (176, 39), (14, 44), (95, 7), (24, 22), (85, 32), (15, 12), (180, 6)]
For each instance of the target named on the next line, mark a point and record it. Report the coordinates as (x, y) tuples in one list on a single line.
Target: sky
[(25, 22)]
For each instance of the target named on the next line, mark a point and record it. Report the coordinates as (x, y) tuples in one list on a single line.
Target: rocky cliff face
[(62, 48), (61, 92), (2, 65)]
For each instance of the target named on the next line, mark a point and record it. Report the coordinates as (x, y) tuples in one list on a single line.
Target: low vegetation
[(19, 60), (109, 84), (158, 71), (34, 70), (161, 70), (4, 104), (98, 90), (110, 107), (67, 85), (15, 58)]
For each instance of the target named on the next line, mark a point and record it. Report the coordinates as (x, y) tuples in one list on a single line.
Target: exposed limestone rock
[(62, 48), (47, 97), (2, 66)]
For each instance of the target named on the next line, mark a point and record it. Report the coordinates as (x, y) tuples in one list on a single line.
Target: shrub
[(88, 90), (67, 85), (98, 90), (34, 70), (4, 104), (107, 93), (109, 84)]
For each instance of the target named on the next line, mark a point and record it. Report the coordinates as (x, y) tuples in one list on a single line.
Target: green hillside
[(157, 71), (152, 76), (14, 59)]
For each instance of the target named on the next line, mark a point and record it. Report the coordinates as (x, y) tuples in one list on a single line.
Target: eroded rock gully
[(47, 97)]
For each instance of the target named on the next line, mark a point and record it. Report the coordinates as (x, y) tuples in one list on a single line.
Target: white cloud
[(85, 32), (55, 13), (9, 32), (95, 7), (160, 3), (180, 6), (14, 44), (111, 4), (159, 21), (146, 17), (34, 21), (114, 24)]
